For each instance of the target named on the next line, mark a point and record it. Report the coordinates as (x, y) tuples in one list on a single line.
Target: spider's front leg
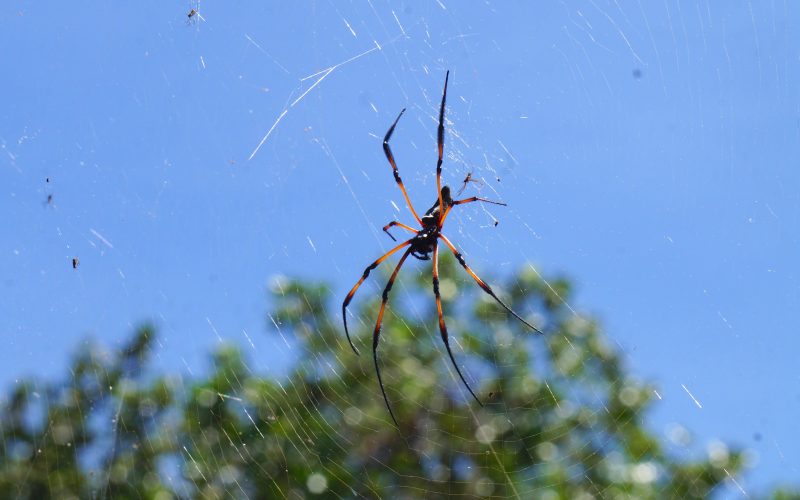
[(469, 200), (440, 147), (477, 198), (389, 156), (399, 224)]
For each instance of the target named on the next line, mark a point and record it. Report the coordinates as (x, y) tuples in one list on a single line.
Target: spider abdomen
[(423, 243)]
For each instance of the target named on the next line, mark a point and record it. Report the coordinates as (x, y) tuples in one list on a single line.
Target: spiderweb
[(189, 164)]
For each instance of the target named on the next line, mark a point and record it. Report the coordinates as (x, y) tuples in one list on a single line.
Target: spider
[(467, 180), (422, 244)]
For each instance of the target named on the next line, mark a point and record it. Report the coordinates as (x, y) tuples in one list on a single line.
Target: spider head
[(447, 200)]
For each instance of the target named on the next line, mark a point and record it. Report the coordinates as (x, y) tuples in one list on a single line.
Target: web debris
[(692, 396), (322, 75)]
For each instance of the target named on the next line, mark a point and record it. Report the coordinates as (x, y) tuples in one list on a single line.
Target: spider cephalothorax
[(424, 243)]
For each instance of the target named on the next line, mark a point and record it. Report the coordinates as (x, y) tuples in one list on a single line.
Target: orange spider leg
[(363, 277), (399, 224), (442, 326), (486, 288), (376, 334), (390, 157), (440, 144), (469, 200), (476, 198)]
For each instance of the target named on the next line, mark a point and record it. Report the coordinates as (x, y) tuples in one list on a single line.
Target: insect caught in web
[(423, 243), (194, 15)]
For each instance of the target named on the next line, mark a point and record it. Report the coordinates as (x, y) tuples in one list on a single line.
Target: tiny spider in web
[(467, 180), (424, 242)]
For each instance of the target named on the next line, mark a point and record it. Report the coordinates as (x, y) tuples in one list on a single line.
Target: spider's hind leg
[(486, 288), (442, 326), (352, 292), (376, 335)]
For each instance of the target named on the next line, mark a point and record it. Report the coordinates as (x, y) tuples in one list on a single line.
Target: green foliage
[(562, 417)]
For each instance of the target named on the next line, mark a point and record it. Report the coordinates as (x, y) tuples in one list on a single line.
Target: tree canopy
[(562, 418)]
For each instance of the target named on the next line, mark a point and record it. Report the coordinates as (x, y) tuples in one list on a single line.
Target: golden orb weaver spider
[(424, 242)]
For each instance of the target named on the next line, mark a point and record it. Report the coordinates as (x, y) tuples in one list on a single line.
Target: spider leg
[(442, 326), (400, 224), (390, 157), (476, 198), (486, 288), (363, 277), (469, 200), (440, 144), (376, 334)]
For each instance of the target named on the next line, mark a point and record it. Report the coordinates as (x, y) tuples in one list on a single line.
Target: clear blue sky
[(648, 150)]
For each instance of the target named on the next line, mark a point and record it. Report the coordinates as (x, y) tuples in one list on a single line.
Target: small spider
[(467, 180), (424, 242)]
